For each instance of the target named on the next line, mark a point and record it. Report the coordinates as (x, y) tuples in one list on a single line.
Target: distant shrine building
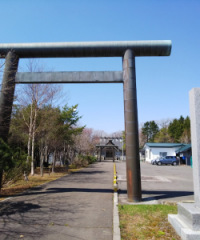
[(110, 148)]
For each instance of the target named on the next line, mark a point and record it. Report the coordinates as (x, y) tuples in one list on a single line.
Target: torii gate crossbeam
[(128, 50)]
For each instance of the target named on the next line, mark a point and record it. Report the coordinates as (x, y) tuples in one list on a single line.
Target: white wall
[(155, 152)]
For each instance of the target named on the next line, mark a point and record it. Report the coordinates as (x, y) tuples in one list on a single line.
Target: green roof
[(165, 145), (184, 148)]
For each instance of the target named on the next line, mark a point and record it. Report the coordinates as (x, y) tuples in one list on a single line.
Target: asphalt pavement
[(78, 206), (160, 184)]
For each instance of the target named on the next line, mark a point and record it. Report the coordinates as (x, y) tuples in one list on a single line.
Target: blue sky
[(163, 83)]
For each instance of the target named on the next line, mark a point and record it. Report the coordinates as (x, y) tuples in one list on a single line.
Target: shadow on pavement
[(163, 194), (58, 190), (89, 173), (19, 207), (32, 221), (62, 190), (24, 220)]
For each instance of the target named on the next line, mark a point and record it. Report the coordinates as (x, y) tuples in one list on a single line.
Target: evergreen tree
[(150, 129), (154, 129), (174, 130), (186, 135), (179, 129), (146, 130), (187, 124)]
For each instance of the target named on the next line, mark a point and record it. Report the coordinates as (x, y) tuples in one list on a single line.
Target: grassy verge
[(33, 181), (145, 222)]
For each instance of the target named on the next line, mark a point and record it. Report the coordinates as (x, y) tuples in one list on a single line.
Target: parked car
[(153, 161), (167, 160)]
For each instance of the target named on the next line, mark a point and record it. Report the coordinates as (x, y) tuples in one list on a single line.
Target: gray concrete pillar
[(7, 93), (131, 128), (194, 95), (187, 221)]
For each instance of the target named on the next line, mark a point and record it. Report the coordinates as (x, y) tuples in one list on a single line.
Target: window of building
[(163, 154)]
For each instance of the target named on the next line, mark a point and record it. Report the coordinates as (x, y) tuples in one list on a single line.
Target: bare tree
[(35, 96), (164, 123), (185, 137), (101, 133), (86, 142), (117, 134), (142, 138), (2, 63)]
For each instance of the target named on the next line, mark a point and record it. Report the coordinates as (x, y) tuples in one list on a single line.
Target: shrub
[(13, 162), (82, 161), (91, 159), (72, 166)]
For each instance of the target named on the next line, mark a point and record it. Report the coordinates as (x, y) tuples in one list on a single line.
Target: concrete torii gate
[(128, 50)]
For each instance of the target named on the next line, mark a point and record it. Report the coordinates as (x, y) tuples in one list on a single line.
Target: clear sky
[(163, 83)]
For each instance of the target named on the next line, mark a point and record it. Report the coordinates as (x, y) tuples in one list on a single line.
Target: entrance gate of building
[(128, 50)]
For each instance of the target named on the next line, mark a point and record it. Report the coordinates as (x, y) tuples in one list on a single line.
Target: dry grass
[(33, 181), (146, 222)]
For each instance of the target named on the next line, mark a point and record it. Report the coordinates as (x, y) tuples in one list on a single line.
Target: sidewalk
[(76, 206)]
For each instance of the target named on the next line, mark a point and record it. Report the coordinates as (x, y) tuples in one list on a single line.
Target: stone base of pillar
[(187, 221)]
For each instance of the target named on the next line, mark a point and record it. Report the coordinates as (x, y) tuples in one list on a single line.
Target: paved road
[(78, 206), (162, 183)]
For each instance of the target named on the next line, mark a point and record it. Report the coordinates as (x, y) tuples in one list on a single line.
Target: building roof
[(164, 145), (109, 144), (117, 141), (184, 148)]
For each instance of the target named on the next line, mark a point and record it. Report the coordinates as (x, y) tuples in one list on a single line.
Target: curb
[(116, 229), (115, 179)]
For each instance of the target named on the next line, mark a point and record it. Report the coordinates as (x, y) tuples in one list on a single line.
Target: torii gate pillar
[(7, 93), (131, 128), (6, 98)]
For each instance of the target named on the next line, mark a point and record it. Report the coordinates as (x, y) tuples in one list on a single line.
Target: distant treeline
[(174, 131)]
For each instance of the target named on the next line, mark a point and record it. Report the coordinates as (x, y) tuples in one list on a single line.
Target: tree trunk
[(66, 163), (46, 153), (29, 144), (54, 160), (32, 167), (60, 156), (32, 155), (1, 177), (67, 152), (41, 162), (33, 142), (30, 133)]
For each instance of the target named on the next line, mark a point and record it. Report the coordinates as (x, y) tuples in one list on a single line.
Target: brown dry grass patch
[(147, 222)]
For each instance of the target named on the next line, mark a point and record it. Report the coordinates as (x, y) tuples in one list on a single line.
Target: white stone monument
[(187, 221)]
